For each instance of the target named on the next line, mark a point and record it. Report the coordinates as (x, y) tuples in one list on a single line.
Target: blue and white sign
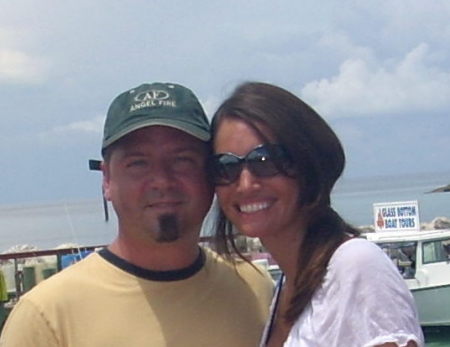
[(391, 216)]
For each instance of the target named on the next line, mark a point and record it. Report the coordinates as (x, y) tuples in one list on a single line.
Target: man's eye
[(179, 161), (184, 160), (137, 163)]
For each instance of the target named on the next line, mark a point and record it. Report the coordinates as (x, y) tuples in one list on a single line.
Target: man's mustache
[(155, 197)]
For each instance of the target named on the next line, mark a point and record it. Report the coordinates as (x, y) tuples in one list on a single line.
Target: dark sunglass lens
[(226, 168), (264, 161), (261, 162)]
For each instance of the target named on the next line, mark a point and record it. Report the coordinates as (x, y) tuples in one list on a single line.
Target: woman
[(276, 161)]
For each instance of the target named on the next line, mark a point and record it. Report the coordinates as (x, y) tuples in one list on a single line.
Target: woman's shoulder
[(359, 257), (363, 283), (359, 271), (358, 249)]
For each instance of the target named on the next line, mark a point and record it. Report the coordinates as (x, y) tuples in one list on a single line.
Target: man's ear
[(106, 180)]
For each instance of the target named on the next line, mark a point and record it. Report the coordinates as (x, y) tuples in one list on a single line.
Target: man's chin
[(168, 229)]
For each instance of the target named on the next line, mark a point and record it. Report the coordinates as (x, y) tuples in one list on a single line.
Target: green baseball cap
[(167, 104)]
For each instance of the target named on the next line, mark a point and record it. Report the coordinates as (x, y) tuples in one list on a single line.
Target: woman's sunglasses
[(265, 160)]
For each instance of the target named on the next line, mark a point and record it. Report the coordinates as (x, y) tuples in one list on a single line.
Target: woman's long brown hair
[(317, 162)]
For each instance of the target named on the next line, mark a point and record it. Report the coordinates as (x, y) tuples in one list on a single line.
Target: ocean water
[(47, 226), (82, 222), (354, 198)]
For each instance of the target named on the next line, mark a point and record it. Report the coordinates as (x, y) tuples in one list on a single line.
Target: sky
[(377, 71)]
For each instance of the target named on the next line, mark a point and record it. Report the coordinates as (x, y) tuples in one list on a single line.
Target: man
[(153, 285), (407, 259)]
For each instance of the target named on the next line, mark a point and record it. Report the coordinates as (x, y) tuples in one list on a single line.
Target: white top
[(363, 301)]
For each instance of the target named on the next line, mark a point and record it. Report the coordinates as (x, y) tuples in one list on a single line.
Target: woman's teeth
[(249, 208)]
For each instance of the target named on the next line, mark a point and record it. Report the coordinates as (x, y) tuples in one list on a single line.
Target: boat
[(423, 259)]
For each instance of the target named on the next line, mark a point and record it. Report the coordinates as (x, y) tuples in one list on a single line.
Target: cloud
[(18, 67), (342, 45), (74, 130), (94, 125), (365, 88)]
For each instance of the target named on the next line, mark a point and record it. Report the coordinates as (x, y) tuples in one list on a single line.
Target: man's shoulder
[(218, 260), (238, 268), (66, 280)]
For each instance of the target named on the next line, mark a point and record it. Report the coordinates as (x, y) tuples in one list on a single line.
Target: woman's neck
[(284, 250)]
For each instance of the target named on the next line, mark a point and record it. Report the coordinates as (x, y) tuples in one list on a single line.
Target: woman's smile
[(254, 207)]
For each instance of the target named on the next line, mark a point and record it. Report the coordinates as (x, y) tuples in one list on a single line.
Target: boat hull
[(433, 304)]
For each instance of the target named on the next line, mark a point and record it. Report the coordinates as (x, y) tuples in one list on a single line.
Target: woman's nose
[(247, 180)]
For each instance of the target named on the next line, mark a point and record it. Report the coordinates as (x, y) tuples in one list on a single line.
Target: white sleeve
[(363, 301)]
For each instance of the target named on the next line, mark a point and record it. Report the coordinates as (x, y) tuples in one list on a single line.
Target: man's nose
[(161, 176)]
